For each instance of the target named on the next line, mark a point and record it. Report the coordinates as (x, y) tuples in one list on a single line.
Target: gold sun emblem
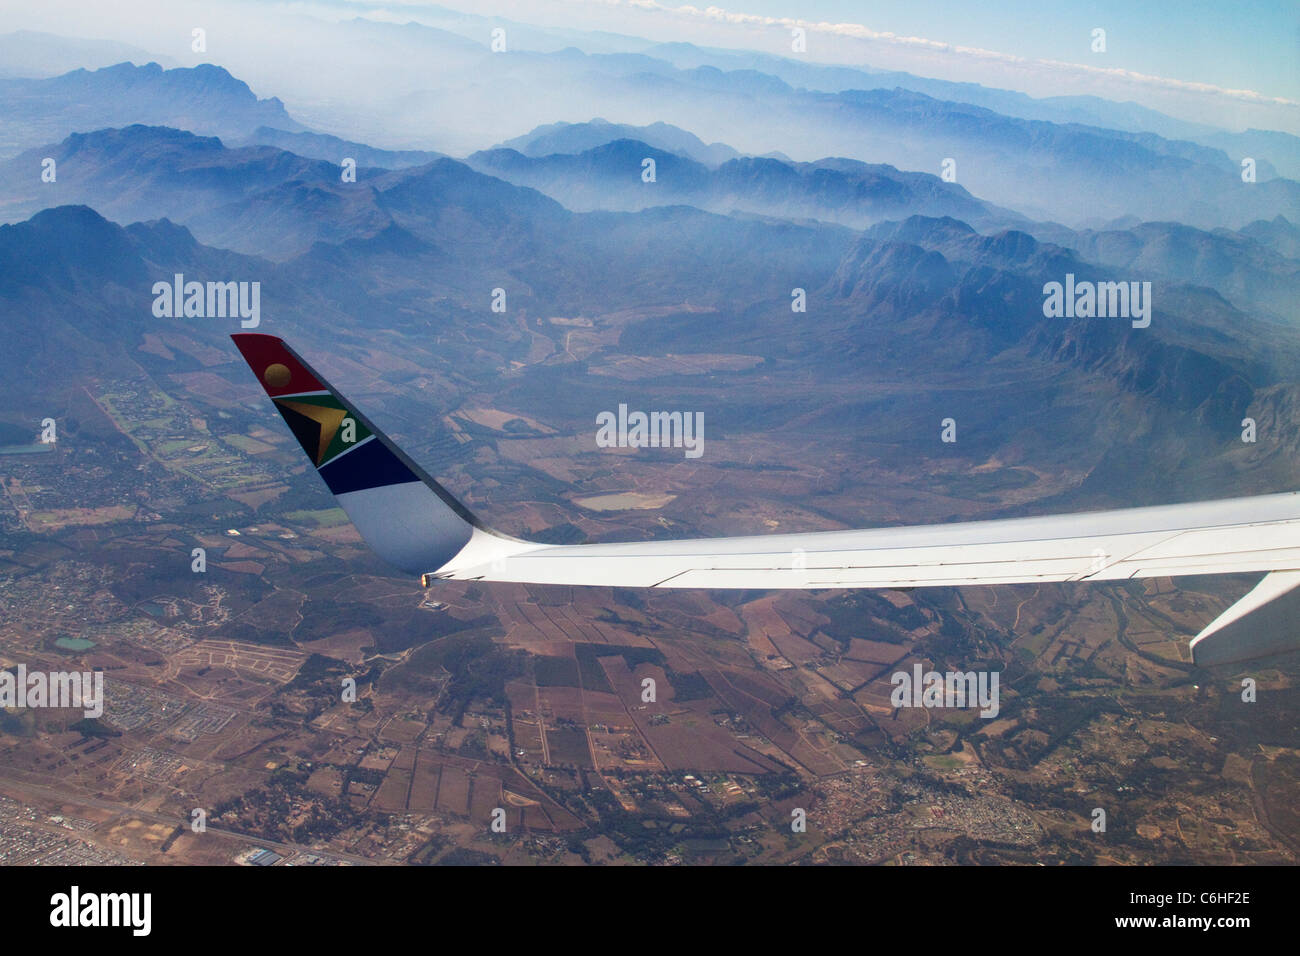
[(277, 375)]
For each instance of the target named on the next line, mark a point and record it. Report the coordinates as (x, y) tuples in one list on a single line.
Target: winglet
[(1266, 621), (405, 516)]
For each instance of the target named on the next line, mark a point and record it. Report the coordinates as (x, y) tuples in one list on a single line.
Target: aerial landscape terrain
[(487, 228)]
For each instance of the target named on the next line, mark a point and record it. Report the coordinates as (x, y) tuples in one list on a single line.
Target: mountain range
[(611, 279), (204, 99)]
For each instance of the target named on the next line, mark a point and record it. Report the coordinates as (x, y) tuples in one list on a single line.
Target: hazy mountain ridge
[(1278, 233), (151, 172), (269, 202), (1074, 174), (205, 99), (1280, 150), (1234, 264), (580, 137), (154, 172), (1068, 172), (35, 54), (610, 176), (334, 149), (78, 289)]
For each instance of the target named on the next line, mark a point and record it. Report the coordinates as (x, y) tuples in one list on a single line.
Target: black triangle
[(305, 429)]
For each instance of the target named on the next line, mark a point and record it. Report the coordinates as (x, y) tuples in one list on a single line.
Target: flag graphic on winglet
[(403, 514)]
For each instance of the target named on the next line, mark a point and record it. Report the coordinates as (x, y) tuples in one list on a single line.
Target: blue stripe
[(369, 465)]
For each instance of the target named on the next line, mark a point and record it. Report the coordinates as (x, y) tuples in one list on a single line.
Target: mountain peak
[(923, 230), (573, 138), (69, 217), (206, 99)]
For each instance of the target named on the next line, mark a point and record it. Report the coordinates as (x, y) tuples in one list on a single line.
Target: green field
[(324, 518), (25, 449)]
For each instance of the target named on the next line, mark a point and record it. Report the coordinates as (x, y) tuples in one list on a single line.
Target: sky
[(1232, 64), (1240, 44)]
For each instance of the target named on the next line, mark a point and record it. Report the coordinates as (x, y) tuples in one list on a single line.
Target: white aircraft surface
[(412, 522)]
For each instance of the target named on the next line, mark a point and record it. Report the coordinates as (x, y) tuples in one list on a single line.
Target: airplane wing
[(418, 526)]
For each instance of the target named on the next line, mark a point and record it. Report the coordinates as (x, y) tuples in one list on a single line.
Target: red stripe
[(268, 358)]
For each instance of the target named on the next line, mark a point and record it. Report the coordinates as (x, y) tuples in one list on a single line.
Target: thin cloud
[(858, 31)]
